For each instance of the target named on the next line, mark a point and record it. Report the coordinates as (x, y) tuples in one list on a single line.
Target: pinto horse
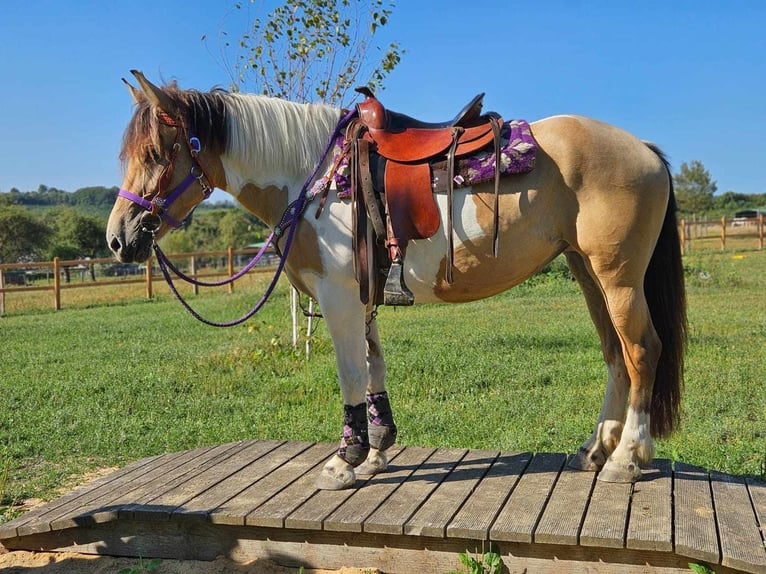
[(597, 194)]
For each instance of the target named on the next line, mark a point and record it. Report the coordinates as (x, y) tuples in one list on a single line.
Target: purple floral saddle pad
[(518, 150)]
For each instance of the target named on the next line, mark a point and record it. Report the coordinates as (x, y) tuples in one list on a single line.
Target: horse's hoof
[(335, 479), (585, 461), (376, 463), (620, 472)]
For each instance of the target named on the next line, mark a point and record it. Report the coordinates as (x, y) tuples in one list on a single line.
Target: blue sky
[(687, 75)]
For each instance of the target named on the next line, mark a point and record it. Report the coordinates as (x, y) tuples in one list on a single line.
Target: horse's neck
[(274, 147)]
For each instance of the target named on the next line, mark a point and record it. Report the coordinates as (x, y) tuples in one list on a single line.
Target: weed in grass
[(486, 563), (143, 567), (700, 568)]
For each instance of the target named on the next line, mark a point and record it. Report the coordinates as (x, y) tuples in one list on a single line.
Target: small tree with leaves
[(694, 188), (313, 50)]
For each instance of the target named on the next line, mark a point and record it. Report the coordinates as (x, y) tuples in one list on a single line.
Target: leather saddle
[(396, 152)]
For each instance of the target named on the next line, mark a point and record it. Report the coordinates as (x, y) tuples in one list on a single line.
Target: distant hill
[(96, 201)]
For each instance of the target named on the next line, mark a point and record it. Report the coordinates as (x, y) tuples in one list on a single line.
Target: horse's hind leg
[(641, 348), (595, 451), (381, 427)]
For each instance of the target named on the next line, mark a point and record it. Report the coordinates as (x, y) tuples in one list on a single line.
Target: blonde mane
[(272, 136)]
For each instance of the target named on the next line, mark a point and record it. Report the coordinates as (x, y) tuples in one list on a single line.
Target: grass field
[(103, 383)]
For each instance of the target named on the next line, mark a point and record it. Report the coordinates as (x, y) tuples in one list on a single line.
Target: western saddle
[(393, 188)]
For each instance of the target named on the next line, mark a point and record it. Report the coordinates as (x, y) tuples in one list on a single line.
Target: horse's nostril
[(115, 244)]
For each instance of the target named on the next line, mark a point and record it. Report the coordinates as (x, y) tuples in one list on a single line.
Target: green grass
[(103, 385)]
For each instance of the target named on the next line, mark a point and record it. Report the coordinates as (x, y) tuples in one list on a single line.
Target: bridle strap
[(160, 204)]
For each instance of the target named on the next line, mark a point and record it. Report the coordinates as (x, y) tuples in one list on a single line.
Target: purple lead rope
[(289, 219), (241, 273)]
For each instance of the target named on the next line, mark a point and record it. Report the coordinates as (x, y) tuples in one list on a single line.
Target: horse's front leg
[(345, 318), (381, 429)]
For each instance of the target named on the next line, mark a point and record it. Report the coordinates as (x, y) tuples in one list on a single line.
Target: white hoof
[(588, 461), (621, 472), (377, 462), (336, 475)]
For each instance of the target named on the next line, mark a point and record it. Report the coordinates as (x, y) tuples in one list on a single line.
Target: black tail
[(666, 297)]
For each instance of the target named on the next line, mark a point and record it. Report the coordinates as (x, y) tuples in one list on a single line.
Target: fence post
[(760, 231), (56, 284), (193, 273), (682, 225), (2, 294), (230, 253), (723, 233), (149, 278)]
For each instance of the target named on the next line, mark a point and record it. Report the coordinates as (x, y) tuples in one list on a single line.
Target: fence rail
[(736, 232), (19, 278)]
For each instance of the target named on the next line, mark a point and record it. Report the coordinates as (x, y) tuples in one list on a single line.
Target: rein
[(288, 223)]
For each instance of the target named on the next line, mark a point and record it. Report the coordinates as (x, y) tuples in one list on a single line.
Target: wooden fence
[(721, 233), (19, 278)]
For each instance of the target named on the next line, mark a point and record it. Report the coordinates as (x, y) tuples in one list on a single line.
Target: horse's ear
[(134, 93), (156, 96)]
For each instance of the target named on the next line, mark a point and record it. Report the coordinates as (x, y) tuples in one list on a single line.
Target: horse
[(597, 194)]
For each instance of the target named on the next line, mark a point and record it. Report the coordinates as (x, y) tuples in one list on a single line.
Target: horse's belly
[(477, 274)]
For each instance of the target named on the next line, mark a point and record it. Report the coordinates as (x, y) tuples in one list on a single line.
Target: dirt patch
[(22, 562)]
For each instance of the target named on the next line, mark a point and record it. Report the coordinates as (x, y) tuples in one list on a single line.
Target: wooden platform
[(256, 499)]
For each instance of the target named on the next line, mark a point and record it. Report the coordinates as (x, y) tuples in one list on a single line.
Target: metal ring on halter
[(150, 223), (197, 173)]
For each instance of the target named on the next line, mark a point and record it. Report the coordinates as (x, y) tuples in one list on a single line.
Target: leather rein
[(157, 214)]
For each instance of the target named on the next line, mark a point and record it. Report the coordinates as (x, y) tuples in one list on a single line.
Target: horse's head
[(167, 173)]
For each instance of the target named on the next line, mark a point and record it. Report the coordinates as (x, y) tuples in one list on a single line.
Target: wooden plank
[(103, 497), (312, 514), (741, 543), (757, 490), (478, 513), (435, 514), (107, 508), (161, 505), (607, 515), (565, 511), (519, 516), (206, 503), (362, 503), (651, 510), (103, 484), (237, 508), (694, 525), (393, 513), (273, 512)]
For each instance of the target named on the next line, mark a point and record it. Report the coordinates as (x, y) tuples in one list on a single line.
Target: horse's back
[(595, 187)]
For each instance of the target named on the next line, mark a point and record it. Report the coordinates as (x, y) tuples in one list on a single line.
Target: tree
[(76, 235), (22, 236), (694, 188), (313, 50)]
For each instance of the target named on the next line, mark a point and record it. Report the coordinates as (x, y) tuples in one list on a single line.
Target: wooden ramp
[(257, 499)]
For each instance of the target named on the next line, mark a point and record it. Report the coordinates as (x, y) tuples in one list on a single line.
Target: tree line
[(47, 223)]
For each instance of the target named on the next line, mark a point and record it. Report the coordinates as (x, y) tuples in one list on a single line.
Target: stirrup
[(395, 292)]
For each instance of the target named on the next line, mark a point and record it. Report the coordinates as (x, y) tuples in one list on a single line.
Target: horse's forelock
[(204, 114)]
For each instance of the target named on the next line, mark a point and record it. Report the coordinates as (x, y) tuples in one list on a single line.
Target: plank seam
[(585, 510), (500, 506), (761, 526), (435, 488), (547, 499), (715, 515)]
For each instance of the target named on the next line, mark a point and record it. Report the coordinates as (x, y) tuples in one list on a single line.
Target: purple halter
[(158, 206)]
